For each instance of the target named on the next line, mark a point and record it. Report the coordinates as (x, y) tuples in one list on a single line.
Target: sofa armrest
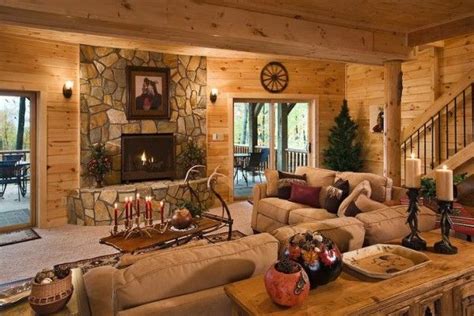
[(259, 192), (398, 193)]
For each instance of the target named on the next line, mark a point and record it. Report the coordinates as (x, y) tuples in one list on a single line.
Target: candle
[(444, 184), (126, 208), (162, 206), (130, 207), (150, 208), (115, 213), (138, 205), (413, 172)]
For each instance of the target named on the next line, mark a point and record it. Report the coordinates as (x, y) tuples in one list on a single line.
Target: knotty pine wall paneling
[(43, 66)]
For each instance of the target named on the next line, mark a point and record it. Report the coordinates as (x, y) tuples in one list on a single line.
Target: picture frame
[(376, 119), (148, 93)]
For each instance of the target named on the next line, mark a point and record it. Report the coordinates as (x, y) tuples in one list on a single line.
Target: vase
[(181, 218), (99, 181), (286, 289), (321, 266)]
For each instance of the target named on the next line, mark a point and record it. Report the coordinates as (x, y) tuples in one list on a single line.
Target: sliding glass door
[(17, 131), (269, 134)]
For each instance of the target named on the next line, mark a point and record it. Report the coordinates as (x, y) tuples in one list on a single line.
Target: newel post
[(392, 120)]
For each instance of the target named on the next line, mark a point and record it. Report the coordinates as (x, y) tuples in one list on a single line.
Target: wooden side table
[(444, 287)]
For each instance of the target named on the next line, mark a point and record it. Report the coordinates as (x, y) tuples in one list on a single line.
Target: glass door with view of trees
[(16, 146), (268, 134)]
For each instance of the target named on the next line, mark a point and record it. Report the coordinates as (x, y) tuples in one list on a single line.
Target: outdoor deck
[(12, 211)]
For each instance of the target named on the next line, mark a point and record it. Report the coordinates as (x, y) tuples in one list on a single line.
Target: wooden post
[(392, 124)]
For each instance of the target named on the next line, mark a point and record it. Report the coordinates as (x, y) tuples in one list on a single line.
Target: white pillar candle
[(444, 184), (413, 172)]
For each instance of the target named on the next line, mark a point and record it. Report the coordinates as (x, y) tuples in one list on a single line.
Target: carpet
[(18, 236), (109, 260)]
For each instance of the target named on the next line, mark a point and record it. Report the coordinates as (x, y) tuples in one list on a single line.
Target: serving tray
[(383, 261)]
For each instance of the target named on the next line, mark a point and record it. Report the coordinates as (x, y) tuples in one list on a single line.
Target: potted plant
[(286, 282), (100, 164), (318, 255), (192, 155)]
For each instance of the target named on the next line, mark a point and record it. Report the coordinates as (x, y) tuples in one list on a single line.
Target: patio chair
[(253, 167), (9, 175), (13, 157)]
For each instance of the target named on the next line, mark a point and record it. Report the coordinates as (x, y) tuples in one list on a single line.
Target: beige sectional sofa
[(271, 213), (184, 281)]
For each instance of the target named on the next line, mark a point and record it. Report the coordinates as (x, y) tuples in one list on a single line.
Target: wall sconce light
[(213, 95), (67, 88)]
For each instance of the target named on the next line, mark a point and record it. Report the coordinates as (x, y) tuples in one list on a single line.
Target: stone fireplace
[(104, 105), (148, 157)]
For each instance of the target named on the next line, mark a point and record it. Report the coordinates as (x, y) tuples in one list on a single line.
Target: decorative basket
[(49, 298)]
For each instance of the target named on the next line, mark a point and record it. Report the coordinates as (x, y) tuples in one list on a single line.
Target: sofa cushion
[(278, 209), (286, 180), (305, 194), (389, 223), (363, 204), (317, 177), (336, 193), (303, 215), (189, 270), (347, 232), (381, 186), (362, 188), (272, 182)]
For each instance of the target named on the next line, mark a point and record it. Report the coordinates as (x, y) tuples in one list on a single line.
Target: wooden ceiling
[(369, 31), (389, 15)]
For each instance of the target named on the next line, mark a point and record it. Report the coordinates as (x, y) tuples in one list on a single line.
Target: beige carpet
[(71, 243)]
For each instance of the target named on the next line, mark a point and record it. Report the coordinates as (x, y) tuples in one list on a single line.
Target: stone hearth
[(95, 206)]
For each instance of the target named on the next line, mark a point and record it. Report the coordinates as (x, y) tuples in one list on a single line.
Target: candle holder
[(137, 230), (444, 246), (413, 240)]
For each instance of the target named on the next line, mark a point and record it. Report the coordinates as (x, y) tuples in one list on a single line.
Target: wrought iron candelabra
[(413, 240), (444, 246)]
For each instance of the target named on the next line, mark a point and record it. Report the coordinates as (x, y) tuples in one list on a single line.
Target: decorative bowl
[(52, 297), (181, 218)]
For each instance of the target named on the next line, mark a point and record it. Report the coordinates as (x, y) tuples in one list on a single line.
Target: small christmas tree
[(343, 153)]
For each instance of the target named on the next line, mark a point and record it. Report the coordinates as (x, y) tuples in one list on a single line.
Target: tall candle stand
[(444, 246), (413, 240)]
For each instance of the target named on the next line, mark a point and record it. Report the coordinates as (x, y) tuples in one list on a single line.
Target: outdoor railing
[(294, 157), (24, 152)]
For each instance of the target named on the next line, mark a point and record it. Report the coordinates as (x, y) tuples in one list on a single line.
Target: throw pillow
[(362, 204), (335, 194), (272, 182), (361, 188), (306, 195), (285, 182)]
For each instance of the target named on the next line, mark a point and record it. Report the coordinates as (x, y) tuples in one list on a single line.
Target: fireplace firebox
[(148, 157)]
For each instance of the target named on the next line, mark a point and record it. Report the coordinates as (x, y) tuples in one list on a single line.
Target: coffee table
[(166, 239), (444, 287)]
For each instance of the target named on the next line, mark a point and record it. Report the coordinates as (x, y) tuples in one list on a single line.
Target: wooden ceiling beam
[(442, 31), (193, 24)]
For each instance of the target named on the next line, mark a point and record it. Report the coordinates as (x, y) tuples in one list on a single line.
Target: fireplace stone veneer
[(95, 206)]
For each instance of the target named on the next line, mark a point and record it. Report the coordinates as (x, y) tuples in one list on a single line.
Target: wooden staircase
[(444, 133)]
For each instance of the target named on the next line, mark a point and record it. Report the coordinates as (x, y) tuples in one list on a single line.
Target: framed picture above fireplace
[(147, 93)]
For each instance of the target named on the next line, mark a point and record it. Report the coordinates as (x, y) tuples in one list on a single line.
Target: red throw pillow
[(304, 194)]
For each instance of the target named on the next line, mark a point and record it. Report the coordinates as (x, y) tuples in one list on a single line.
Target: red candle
[(130, 207), (115, 213), (162, 204), (126, 208), (150, 208), (138, 205)]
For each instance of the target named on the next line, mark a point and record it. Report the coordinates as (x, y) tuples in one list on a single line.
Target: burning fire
[(143, 158)]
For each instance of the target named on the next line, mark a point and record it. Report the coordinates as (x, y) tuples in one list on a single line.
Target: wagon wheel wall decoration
[(274, 77)]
